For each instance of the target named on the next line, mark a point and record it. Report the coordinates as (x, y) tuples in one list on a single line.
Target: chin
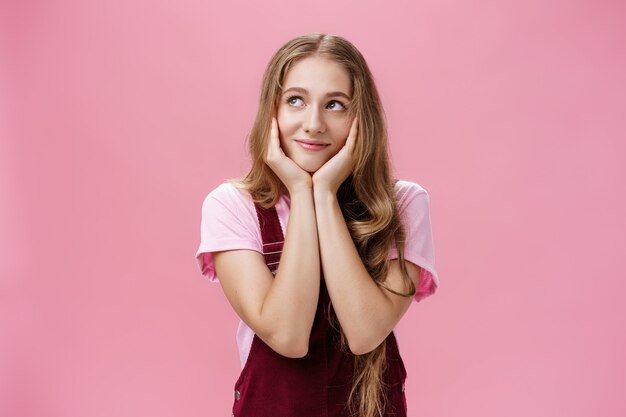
[(311, 169), (309, 166)]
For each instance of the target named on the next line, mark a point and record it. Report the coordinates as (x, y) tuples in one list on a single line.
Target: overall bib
[(317, 385)]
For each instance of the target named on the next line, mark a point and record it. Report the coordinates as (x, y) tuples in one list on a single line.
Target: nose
[(313, 121)]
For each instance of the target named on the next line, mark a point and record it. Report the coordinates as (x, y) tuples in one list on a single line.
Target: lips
[(312, 141), (312, 144)]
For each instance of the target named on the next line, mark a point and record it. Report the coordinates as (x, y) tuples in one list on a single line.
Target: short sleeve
[(414, 208), (227, 223)]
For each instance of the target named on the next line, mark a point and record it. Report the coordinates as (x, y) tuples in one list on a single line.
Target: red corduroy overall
[(317, 385)]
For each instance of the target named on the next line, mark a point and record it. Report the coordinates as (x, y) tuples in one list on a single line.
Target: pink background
[(117, 118)]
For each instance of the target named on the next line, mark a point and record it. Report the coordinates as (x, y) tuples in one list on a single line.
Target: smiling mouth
[(312, 146)]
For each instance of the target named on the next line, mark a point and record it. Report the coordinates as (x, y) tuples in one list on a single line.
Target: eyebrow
[(304, 91)]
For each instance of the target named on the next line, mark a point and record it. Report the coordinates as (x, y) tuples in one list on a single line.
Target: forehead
[(318, 74)]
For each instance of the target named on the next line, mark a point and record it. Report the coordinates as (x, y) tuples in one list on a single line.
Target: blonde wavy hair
[(367, 196)]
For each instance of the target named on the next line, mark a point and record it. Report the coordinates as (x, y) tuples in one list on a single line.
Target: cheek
[(286, 123), (343, 132)]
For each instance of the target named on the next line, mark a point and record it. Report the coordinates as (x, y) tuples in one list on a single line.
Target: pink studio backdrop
[(117, 118)]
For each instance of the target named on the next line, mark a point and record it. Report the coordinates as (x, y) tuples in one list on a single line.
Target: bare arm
[(367, 312), (279, 309)]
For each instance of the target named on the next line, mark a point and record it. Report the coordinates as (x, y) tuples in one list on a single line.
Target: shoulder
[(408, 191), (229, 196), (230, 192), (229, 222), (230, 204)]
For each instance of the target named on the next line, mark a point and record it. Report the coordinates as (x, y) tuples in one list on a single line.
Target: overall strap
[(272, 235)]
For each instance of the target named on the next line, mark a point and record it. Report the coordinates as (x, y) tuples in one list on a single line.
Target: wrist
[(324, 195), (300, 190)]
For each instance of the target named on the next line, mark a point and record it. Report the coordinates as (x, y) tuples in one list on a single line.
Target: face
[(312, 115)]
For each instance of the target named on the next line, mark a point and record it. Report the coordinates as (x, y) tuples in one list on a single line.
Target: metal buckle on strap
[(273, 243)]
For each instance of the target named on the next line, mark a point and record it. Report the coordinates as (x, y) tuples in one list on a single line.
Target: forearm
[(290, 304), (366, 313)]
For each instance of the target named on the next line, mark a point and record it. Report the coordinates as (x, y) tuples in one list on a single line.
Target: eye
[(293, 99), (335, 107)]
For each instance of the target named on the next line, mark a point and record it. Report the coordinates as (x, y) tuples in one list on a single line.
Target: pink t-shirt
[(229, 221)]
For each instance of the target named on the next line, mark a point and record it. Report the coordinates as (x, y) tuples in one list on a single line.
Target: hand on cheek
[(330, 175), (294, 177)]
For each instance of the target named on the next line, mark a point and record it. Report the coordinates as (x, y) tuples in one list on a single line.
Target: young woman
[(318, 250)]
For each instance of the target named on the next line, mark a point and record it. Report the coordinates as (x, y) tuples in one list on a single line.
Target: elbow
[(362, 346), (290, 347), (358, 350), (295, 352)]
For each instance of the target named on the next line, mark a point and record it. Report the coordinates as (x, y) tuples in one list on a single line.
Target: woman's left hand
[(334, 172)]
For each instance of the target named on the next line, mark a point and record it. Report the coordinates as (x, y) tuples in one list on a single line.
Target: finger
[(351, 142), (274, 131), (275, 138), (271, 146), (274, 150)]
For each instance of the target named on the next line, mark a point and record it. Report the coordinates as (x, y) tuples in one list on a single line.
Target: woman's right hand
[(294, 177)]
